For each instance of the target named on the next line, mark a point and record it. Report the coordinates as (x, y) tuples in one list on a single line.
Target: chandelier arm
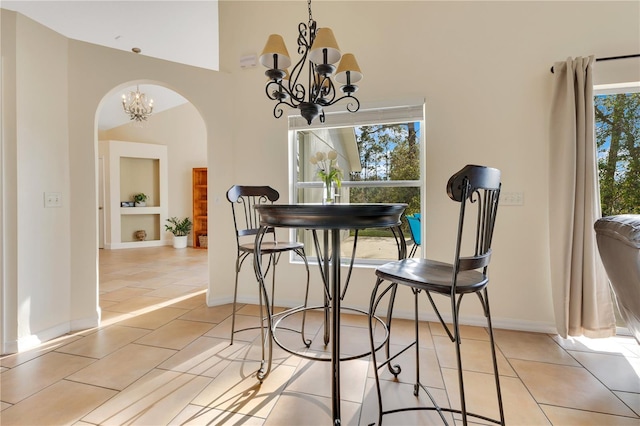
[(326, 92), (303, 44), (296, 89), (311, 79), (306, 35), (350, 105), (277, 109), (300, 92), (276, 91)]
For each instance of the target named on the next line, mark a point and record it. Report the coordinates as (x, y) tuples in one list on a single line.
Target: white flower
[(328, 169)]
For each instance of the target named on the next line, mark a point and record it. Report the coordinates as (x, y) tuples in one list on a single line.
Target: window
[(617, 118), (380, 157), (617, 111)]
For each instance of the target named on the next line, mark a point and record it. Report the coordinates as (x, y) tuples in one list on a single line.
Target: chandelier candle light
[(136, 105), (320, 48)]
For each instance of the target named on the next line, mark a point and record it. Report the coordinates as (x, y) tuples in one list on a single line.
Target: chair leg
[(393, 369), (455, 306), (264, 304), (485, 303), (372, 308), (305, 341), (416, 386), (265, 335), (235, 299), (454, 333)]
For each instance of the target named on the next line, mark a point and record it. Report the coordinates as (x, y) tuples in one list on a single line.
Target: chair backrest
[(475, 187), (243, 199), (414, 227)]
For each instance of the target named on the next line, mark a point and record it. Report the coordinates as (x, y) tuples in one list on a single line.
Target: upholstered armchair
[(618, 240)]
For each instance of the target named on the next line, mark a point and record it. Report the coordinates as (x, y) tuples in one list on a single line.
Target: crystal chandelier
[(136, 105), (320, 48)]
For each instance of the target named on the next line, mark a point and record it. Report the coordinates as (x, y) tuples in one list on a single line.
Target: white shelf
[(138, 244), (140, 210)]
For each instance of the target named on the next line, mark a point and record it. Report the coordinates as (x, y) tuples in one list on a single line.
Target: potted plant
[(180, 228), (140, 199)]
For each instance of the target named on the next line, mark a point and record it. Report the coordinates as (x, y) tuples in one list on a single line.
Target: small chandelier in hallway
[(321, 49), (137, 106)]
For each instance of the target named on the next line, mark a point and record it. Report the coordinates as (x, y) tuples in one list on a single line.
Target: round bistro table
[(330, 218)]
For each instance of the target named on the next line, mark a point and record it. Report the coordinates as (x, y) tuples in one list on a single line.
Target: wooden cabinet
[(199, 207)]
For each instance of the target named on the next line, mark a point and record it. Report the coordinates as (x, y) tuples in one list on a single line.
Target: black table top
[(331, 216)]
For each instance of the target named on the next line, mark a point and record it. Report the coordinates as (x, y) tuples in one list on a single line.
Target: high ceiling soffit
[(179, 31), (185, 32)]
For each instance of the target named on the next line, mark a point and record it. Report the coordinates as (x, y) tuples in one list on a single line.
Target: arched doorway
[(175, 126)]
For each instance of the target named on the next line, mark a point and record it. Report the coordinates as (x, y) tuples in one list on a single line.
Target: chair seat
[(431, 275), (269, 247)]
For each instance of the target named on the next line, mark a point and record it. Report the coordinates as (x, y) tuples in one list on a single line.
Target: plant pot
[(179, 242), (141, 204)]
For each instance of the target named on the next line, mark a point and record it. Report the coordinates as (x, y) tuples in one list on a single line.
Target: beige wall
[(94, 72), (49, 137), (35, 140), (482, 67)]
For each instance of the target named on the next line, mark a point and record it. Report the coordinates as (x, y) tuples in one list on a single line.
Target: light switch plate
[(53, 199), (512, 198)]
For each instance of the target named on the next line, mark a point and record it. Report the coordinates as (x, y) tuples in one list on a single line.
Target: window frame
[(371, 115), (614, 89)]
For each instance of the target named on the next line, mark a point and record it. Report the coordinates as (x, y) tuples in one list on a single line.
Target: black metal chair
[(246, 220), (477, 189)]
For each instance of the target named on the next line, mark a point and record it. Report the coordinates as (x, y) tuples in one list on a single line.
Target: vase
[(179, 241), (329, 191)]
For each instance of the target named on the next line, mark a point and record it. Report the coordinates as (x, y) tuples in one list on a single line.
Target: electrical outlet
[(512, 198), (53, 199)]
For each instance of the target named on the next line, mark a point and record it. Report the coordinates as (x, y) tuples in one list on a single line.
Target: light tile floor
[(161, 356)]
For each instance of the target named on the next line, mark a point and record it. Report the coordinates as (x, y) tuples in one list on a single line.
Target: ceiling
[(179, 31)]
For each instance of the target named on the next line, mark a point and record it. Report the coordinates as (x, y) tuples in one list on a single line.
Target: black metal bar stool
[(243, 201), (476, 188)]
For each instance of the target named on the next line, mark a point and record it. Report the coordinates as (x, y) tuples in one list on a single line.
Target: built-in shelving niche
[(132, 168)]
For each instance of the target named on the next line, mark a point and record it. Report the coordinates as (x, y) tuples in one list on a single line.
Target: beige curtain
[(581, 296)]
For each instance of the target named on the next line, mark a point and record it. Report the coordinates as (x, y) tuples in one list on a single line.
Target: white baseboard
[(34, 340), (477, 320), (28, 342), (84, 324)]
